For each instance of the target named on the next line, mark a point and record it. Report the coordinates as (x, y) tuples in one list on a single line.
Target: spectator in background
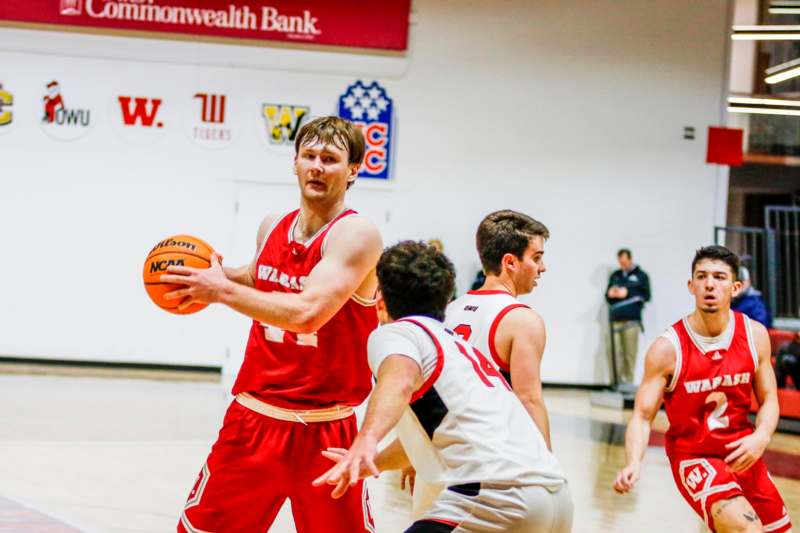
[(628, 290), (788, 363), (750, 302)]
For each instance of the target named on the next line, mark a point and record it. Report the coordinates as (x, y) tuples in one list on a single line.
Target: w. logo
[(71, 7), (283, 121), (139, 112)]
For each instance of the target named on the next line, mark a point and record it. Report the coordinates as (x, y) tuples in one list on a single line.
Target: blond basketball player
[(309, 291), (457, 420)]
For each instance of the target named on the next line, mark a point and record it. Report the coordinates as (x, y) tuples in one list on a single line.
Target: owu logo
[(371, 110)]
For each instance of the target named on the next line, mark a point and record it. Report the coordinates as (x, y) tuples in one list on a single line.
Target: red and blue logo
[(371, 110)]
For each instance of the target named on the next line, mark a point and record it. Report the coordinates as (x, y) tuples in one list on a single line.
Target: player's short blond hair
[(336, 131)]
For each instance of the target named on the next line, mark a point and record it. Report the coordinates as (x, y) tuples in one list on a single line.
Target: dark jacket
[(787, 363), (752, 304), (638, 285)]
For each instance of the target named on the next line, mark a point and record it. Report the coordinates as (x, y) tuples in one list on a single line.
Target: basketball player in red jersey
[(705, 368), (310, 292)]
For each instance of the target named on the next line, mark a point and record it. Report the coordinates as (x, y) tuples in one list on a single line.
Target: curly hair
[(505, 232), (415, 279)]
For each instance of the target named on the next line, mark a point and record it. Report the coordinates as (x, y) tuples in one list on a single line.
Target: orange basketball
[(179, 250)]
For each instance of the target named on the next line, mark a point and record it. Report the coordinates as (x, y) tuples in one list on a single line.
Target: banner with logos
[(348, 23)]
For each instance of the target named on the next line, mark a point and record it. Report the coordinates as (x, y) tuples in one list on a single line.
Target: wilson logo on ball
[(172, 242)]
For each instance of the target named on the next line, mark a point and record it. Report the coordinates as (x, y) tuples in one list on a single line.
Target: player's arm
[(659, 365), (521, 334), (749, 449), (353, 248), (398, 377)]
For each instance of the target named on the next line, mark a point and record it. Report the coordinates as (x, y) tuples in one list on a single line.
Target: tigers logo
[(6, 101), (372, 111), (209, 126), (60, 118), (283, 122)]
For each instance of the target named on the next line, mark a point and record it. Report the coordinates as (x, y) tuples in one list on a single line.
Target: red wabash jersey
[(305, 371), (708, 399)]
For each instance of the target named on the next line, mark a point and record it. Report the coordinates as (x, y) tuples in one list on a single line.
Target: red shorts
[(258, 462), (704, 481)]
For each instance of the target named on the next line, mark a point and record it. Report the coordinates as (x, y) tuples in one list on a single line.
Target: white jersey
[(464, 424), (475, 317)]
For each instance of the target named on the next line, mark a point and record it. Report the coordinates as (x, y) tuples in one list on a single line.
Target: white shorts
[(523, 509)]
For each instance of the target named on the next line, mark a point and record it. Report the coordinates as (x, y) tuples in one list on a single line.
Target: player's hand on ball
[(353, 464), (204, 285), (746, 451), (626, 478)]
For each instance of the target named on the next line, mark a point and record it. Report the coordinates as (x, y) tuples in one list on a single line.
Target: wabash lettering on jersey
[(708, 399), (305, 370)]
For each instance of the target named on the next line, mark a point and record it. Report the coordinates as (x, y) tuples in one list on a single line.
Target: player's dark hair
[(505, 232), (624, 251), (717, 253), (336, 131), (415, 279)]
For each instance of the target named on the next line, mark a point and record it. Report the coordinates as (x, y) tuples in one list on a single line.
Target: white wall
[(570, 111)]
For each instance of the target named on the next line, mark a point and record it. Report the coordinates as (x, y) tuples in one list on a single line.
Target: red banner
[(350, 23)]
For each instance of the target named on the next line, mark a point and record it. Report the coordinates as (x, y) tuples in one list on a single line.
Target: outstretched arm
[(658, 368), (398, 377), (521, 335), (353, 248), (747, 450)]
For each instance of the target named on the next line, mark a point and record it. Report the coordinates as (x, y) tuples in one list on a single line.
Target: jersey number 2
[(716, 420)]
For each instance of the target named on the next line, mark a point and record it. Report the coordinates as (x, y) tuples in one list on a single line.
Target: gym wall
[(570, 111)]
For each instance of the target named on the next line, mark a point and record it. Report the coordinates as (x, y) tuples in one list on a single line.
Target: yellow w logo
[(283, 121), (5, 101)]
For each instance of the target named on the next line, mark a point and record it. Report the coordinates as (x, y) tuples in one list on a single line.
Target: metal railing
[(783, 229), (752, 246)]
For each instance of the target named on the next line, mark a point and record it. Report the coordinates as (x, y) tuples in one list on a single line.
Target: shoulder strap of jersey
[(439, 360), (745, 325), (275, 223), (677, 343), (493, 331), (346, 213)]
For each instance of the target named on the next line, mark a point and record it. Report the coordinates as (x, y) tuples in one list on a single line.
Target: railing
[(783, 227), (752, 246)]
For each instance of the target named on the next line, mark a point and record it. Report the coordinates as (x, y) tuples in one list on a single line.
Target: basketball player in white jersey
[(511, 249), (457, 420)]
